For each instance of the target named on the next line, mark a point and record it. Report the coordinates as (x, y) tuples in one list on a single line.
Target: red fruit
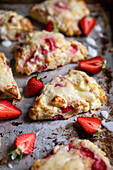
[(24, 144), (62, 5), (51, 43), (99, 165), (8, 110), (86, 152), (34, 85), (49, 27), (87, 23), (92, 65), (90, 124), (69, 108), (58, 117)]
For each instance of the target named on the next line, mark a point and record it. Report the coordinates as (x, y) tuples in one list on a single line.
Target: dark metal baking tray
[(50, 133)]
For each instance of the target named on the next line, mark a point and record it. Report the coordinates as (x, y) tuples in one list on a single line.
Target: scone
[(65, 13), (67, 95), (44, 50), (13, 26), (77, 155), (8, 86)]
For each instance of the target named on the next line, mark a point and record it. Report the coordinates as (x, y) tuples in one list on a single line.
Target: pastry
[(8, 86), (77, 155), (44, 50), (13, 26), (68, 95), (66, 14)]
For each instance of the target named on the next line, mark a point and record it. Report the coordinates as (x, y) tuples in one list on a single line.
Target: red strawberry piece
[(44, 52), (59, 85), (73, 49), (49, 27), (69, 108), (62, 5), (90, 124), (24, 144), (17, 36), (99, 165), (70, 146), (87, 24), (58, 117), (51, 43), (92, 65), (34, 85), (8, 110), (86, 152)]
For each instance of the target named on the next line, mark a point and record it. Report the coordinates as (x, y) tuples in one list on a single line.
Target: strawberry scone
[(66, 14), (77, 155), (8, 86), (44, 50), (13, 26), (68, 95)]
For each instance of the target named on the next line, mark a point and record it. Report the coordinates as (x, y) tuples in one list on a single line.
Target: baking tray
[(50, 133)]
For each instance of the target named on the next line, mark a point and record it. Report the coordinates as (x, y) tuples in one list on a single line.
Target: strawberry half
[(92, 65), (87, 24), (51, 27), (34, 85), (24, 145), (91, 125), (8, 110)]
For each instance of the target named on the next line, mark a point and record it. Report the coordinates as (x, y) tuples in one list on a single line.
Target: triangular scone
[(8, 86), (67, 95), (66, 14), (77, 155), (13, 26), (44, 50)]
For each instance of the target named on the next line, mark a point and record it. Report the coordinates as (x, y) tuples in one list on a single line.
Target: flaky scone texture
[(68, 95), (65, 13), (77, 155), (13, 26), (8, 86), (44, 50)]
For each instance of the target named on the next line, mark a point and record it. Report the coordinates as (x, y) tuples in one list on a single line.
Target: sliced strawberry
[(62, 5), (34, 85), (87, 23), (99, 165), (51, 43), (59, 85), (70, 146), (58, 117), (92, 65), (69, 108), (8, 110), (44, 52), (90, 124), (86, 152), (24, 144)]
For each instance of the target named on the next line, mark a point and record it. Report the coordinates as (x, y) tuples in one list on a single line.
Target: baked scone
[(67, 95), (44, 50), (8, 86), (13, 26), (66, 14), (77, 155)]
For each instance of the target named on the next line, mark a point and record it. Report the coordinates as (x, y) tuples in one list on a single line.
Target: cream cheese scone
[(68, 95), (44, 50), (66, 14), (13, 26), (8, 87), (77, 155)]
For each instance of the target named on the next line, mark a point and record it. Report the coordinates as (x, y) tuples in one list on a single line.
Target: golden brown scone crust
[(68, 95), (71, 157), (67, 20), (8, 86), (14, 26), (44, 50)]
